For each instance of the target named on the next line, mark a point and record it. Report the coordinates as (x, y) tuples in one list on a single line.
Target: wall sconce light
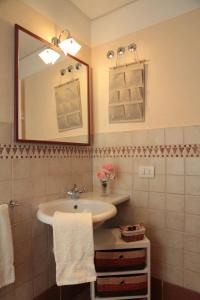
[(110, 54), (49, 56), (70, 68), (77, 66), (121, 50), (68, 45), (62, 72), (132, 47)]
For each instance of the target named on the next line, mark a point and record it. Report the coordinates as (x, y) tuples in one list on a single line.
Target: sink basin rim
[(43, 216)]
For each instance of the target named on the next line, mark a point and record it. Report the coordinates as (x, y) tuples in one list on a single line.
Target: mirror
[(51, 100)]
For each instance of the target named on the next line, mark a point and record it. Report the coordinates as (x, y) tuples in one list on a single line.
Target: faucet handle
[(74, 192), (72, 189), (76, 189)]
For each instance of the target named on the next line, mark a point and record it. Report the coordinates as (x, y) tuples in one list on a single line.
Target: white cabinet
[(123, 269)]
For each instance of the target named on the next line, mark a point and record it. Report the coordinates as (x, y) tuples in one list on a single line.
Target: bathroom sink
[(101, 211)]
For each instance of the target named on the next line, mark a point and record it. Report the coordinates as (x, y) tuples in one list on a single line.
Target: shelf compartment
[(131, 259), (131, 285)]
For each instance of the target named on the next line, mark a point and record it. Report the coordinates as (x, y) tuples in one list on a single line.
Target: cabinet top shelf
[(123, 273), (110, 239)]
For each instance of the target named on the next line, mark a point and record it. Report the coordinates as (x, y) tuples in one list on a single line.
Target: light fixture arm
[(62, 33), (56, 40), (68, 45)]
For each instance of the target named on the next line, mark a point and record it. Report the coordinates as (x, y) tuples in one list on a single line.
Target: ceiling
[(94, 8)]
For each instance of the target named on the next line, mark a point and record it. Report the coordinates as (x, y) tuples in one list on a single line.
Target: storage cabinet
[(123, 269)]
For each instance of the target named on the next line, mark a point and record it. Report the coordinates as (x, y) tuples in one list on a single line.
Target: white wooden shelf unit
[(110, 239)]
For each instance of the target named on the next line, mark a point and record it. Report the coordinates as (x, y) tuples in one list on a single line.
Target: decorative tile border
[(19, 151), (148, 151)]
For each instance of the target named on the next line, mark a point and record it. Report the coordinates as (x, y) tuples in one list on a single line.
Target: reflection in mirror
[(52, 99)]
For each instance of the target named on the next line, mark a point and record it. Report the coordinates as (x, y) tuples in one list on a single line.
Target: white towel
[(73, 248), (7, 272)]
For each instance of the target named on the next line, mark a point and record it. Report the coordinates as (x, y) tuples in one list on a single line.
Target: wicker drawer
[(121, 285), (106, 261)]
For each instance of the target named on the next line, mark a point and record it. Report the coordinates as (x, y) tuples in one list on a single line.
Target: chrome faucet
[(75, 192)]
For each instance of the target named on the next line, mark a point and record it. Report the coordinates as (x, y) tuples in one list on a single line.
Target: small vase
[(105, 188)]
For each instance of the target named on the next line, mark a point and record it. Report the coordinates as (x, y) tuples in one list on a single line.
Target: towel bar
[(12, 203)]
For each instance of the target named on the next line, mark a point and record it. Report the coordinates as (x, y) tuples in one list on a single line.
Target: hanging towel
[(73, 248), (7, 272)]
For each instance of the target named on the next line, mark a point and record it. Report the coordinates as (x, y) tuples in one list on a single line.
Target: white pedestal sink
[(100, 210)]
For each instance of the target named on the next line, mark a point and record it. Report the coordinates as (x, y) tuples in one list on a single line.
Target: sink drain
[(75, 206)]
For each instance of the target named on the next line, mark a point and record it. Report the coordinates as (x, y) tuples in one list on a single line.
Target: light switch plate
[(147, 172), (141, 171)]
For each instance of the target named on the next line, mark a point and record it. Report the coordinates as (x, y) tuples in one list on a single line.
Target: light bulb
[(110, 54)]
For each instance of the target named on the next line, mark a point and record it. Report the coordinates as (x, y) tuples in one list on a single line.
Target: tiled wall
[(169, 203), (31, 181)]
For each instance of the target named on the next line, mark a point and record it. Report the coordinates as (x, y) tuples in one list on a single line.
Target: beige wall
[(168, 204), (171, 50)]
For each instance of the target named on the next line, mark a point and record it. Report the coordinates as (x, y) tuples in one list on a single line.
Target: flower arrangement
[(105, 175)]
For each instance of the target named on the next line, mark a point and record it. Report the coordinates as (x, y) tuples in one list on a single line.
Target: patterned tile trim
[(18, 151), (148, 151)]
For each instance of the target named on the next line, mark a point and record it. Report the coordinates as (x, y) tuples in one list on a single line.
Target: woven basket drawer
[(106, 261), (121, 285)]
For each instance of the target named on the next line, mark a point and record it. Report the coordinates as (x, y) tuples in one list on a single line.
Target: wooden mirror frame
[(18, 28)]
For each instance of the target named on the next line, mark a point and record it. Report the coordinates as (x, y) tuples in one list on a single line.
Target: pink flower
[(108, 167), (101, 175), (106, 173)]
